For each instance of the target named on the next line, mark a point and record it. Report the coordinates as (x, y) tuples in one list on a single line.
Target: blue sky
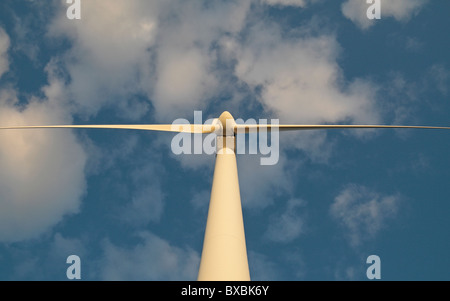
[(132, 210)]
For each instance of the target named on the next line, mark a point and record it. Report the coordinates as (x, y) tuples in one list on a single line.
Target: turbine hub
[(228, 123), (225, 140)]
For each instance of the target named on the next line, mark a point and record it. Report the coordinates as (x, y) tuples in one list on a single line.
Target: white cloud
[(287, 225), (184, 81), (262, 268), (4, 46), (152, 259), (110, 51), (42, 174), (260, 184), (300, 80), (299, 3), (147, 199), (411, 95), (145, 206), (26, 268), (186, 75), (200, 200), (440, 77), (401, 10), (53, 256), (363, 212), (121, 48), (62, 247), (346, 273), (136, 170)]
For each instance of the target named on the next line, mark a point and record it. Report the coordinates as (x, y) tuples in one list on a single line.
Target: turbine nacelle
[(227, 124), (224, 128)]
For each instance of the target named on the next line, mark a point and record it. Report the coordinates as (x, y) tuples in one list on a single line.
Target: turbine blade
[(248, 128), (179, 128)]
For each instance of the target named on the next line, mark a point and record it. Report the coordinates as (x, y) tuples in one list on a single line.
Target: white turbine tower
[(224, 254)]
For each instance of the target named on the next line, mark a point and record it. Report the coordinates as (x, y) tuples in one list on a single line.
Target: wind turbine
[(224, 254)]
